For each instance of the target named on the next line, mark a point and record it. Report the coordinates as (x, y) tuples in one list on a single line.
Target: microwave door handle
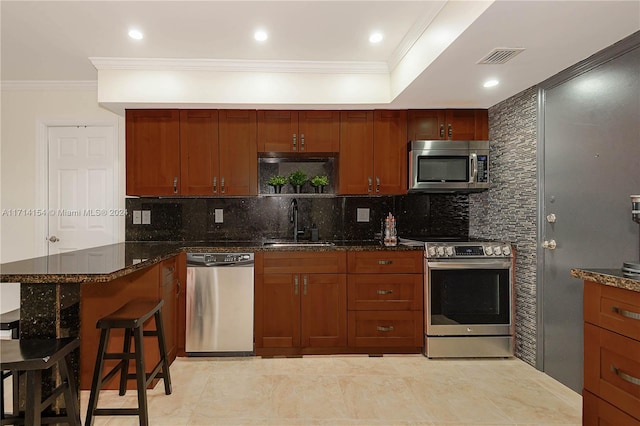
[(474, 167)]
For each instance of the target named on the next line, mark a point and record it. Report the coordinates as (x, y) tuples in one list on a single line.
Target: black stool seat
[(33, 356), (130, 317)]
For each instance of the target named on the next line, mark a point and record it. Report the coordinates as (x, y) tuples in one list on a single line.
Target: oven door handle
[(469, 264)]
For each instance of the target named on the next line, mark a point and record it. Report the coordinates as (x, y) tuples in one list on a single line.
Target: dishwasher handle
[(219, 264)]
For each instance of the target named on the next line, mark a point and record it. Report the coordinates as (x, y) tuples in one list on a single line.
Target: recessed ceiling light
[(260, 35), (491, 83), (136, 34), (375, 37)]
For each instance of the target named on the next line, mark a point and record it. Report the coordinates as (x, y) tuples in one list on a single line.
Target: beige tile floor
[(352, 390)]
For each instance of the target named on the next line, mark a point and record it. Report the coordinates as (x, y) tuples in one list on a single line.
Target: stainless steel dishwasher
[(219, 304)]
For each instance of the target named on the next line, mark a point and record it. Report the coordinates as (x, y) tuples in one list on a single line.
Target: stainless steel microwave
[(448, 166)]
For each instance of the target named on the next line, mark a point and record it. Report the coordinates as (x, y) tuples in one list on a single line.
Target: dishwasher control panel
[(218, 259)]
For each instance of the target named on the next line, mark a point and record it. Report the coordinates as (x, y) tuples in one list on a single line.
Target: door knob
[(551, 218), (54, 239), (551, 244)]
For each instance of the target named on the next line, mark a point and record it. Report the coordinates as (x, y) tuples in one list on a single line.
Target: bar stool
[(31, 357), (130, 317), (10, 321)]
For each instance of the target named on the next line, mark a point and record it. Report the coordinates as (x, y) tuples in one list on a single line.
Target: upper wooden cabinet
[(198, 152), (449, 124), (153, 152), (298, 131), (373, 152)]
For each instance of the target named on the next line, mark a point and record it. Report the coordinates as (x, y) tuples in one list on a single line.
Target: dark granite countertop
[(106, 263), (610, 277)]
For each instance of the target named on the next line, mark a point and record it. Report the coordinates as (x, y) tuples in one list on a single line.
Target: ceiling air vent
[(500, 55)]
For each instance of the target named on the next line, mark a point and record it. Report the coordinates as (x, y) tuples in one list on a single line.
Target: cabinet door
[(277, 322), (199, 152), (596, 412), (465, 125), (390, 152), (324, 310), (153, 152), (169, 288), (278, 131), (238, 153), (319, 131), (356, 152), (385, 292), (426, 124)]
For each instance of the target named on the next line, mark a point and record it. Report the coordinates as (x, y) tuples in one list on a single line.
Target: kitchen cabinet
[(300, 302), (611, 355), (373, 152), (153, 152), (298, 131), (449, 124), (173, 274), (191, 152), (385, 292)]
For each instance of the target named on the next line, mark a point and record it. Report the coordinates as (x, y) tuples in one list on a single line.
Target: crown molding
[(49, 85), (224, 65)]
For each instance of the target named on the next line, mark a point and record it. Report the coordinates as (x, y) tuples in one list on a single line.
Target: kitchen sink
[(298, 244)]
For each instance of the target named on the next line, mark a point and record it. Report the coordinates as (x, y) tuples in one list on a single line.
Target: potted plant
[(319, 182), (297, 179), (277, 182)]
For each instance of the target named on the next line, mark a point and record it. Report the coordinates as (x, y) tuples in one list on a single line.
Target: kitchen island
[(62, 295), (611, 347)]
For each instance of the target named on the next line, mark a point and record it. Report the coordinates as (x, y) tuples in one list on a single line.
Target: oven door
[(469, 297)]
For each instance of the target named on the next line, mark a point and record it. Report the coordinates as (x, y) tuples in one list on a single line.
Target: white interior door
[(82, 201)]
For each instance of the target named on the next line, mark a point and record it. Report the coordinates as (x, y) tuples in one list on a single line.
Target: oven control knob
[(432, 251), (488, 250), (497, 250), (506, 250), (449, 251), (440, 251)]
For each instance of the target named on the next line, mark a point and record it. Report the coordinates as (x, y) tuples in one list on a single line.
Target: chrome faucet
[(293, 218)]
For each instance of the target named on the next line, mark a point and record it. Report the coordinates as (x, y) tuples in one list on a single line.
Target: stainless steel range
[(468, 299)]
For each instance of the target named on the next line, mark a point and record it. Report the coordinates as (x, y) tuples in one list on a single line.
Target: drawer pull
[(623, 376), (382, 328), (385, 262), (385, 291), (628, 314)]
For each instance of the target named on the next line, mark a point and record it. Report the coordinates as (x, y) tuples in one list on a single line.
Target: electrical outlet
[(218, 216), (146, 217), (137, 217), (362, 215)]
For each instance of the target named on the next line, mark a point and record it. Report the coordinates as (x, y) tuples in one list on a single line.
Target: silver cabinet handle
[(370, 187), (383, 328), (624, 376), (295, 285), (385, 262), (175, 185), (385, 291), (377, 183), (222, 184), (442, 131), (295, 142), (215, 185), (302, 142), (628, 314), (305, 281), (450, 131), (54, 239)]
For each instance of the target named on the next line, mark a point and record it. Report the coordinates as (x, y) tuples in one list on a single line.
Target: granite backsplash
[(267, 217)]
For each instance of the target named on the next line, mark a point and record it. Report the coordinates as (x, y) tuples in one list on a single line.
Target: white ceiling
[(53, 41)]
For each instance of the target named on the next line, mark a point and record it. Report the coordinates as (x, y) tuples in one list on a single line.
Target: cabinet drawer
[(309, 262), (612, 368), (391, 292), (596, 412), (612, 308), (385, 262), (385, 329)]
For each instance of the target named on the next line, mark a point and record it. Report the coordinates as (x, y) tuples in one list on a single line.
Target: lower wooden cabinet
[(597, 412), (385, 329)]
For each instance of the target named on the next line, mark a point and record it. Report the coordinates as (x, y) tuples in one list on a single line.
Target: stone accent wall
[(508, 210)]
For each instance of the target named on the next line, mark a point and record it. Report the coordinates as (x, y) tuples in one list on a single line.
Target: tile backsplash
[(267, 217)]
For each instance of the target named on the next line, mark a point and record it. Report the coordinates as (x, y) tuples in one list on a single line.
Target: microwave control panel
[(483, 169)]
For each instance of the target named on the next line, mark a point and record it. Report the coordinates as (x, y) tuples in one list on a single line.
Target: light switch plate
[(362, 215), (146, 217), (137, 217), (218, 216)]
